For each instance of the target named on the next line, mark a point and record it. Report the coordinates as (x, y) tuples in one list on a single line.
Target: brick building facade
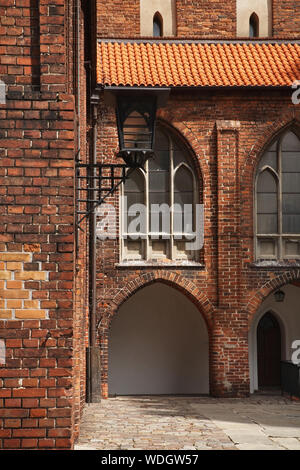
[(42, 315), (229, 100)]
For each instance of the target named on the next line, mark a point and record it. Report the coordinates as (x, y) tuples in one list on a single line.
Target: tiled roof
[(178, 64)]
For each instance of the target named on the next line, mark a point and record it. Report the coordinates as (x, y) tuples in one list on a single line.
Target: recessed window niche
[(254, 18), (157, 18)]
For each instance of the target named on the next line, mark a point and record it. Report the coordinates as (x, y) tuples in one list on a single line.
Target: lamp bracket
[(95, 183)]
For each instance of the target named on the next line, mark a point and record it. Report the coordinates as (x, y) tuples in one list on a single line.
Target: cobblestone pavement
[(191, 423)]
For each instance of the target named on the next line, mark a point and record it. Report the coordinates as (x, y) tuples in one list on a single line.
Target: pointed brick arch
[(175, 280), (191, 141), (289, 120), (254, 301), (249, 165), (170, 278)]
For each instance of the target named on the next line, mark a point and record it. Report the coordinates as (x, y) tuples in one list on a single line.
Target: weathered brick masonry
[(229, 288), (37, 246), (217, 19), (47, 61), (206, 19), (286, 21), (42, 296), (200, 19), (117, 18)]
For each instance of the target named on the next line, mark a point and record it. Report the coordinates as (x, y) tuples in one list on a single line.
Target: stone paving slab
[(288, 443), (195, 423)]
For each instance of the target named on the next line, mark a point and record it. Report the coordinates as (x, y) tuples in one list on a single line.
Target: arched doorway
[(268, 351), (158, 344), (286, 313)]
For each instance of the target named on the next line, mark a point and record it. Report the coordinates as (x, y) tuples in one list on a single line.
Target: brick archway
[(288, 120), (256, 309), (271, 286), (194, 294)]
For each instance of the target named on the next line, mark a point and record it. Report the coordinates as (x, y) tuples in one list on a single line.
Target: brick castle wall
[(36, 168), (194, 19), (118, 18), (229, 287), (16, 299), (286, 18), (206, 19), (44, 278), (42, 315)]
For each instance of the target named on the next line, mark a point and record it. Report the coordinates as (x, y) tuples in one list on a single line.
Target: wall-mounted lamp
[(279, 296), (136, 125)]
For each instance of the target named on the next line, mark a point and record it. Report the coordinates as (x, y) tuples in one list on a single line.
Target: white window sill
[(269, 263), (160, 264)]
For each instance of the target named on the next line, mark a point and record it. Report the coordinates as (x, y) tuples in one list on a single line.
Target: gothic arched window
[(157, 25), (278, 200), (254, 26), (254, 18), (158, 210)]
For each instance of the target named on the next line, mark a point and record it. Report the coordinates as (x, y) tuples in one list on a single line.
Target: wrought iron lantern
[(279, 296), (136, 115), (95, 182), (136, 126)]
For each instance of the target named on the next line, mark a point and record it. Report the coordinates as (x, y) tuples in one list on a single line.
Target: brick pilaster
[(229, 358), (229, 260)]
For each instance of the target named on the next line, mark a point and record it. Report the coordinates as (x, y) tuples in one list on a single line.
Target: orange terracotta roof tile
[(180, 64)]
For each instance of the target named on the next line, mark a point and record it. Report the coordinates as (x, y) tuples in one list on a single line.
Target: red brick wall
[(118, 18), (286, 18), (43, 380), (42, 310), (229, 287), (194, 19), (80, 291), (19, 42), (32, 44), (206, 19), (36, 169)]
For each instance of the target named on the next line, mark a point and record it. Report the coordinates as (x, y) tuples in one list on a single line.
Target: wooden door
[(268, 351)]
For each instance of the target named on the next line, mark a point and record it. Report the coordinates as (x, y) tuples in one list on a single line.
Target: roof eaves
[(170, 40)]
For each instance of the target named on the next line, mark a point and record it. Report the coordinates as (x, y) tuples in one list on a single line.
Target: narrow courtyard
[(191, 423)]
